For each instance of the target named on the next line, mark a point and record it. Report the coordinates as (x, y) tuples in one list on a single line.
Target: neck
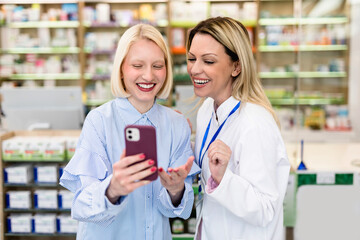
[(141, 107), (219, 101)]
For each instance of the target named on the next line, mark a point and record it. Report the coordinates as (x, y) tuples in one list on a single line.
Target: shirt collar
[(224, 109), (131, 115)]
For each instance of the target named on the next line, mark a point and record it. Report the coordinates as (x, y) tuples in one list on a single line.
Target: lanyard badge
[(201, 156)]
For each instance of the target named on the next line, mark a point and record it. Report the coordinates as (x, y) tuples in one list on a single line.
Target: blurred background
[(55, 62)]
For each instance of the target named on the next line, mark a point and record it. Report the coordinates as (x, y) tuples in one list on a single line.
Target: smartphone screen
[(142, 139)]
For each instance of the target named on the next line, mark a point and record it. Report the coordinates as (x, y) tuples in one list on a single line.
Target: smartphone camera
[(132, 134)]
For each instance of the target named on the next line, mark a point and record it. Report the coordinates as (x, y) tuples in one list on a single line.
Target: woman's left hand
[(173, 181), (219, 155)]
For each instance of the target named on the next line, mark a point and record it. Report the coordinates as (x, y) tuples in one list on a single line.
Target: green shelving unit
[(302, 21), (306, 101), (190, 24), (46, 76), (95, 102), (44, 24), (302, 74), (54, 50), (304, 48)]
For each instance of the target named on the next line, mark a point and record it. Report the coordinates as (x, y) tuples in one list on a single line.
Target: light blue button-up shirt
[(144, 213)]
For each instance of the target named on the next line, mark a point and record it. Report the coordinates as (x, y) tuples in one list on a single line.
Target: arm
[(174, 182), (176, 196), (88, 175)]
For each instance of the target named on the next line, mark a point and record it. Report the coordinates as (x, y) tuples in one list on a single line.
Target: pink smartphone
[(142, 139)]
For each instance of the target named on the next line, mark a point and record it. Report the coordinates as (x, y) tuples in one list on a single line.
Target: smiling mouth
[(201, 82), (146, 86)]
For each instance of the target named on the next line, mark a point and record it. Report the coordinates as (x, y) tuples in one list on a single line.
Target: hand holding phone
[(142, 139), (128, 173)]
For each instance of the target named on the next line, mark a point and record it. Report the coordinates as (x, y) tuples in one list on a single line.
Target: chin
[(200, 92)]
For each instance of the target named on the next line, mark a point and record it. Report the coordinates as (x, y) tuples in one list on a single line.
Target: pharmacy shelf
[(302, 21), (40, 235), (302, 74), (46, 76), (306, 101), (89, 76), (277, 75), (190, 24), (95, 102), (44, 24), (99, 52), (33, 161), (31, 185), (322, 74), (163, 23), (35, 210), (304, 48), (127, 1), (184, 236), (53, 50), (38, 1)]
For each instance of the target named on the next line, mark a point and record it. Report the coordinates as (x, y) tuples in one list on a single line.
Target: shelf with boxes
[(307, 81), (34, 203), (39, 44), (104, 22), (181, 21), (185, 229)]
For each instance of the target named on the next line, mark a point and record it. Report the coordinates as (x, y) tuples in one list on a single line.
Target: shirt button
[(148, 196), (147, 227)]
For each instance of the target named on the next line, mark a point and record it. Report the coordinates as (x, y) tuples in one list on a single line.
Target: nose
[(148, 74), (194, 67)]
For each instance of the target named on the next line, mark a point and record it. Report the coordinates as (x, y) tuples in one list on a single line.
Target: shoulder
[(101, 113), (206, 106), (255, 116), (171, 115)]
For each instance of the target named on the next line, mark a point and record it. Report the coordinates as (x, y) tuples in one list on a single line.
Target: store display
[(301, 48), (44, 223), (309, 76), (34, 201)]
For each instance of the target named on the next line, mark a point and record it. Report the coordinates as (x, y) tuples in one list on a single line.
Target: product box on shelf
[(45, 199), (18, 174), (13, 149), (44, 223), (71, 143), (19, 223), (46, 173), (37, 148), (65, 199), (34, 148), (54, 149), (18, 199), (65, 224)]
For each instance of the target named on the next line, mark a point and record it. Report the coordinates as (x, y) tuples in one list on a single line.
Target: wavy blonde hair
[(130, 36), (234, 37)]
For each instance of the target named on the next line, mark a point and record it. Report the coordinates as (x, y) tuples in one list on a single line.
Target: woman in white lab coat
[(238, 144)]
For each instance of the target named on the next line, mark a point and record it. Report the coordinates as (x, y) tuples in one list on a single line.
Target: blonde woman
[(238, 143), (111, 201)]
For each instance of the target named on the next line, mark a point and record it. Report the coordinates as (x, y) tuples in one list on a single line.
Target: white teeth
[(146, 85), (197, 81)]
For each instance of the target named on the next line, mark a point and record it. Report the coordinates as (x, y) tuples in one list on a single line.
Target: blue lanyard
[(215, 135)]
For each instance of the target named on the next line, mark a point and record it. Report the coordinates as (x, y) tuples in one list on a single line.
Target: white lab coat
[(248, 203)]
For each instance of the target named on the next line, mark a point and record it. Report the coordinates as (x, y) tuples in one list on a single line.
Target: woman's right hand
[(127, 173)]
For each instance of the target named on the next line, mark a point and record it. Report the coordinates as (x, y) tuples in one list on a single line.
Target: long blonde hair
[(131, 35), (234, 37)]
